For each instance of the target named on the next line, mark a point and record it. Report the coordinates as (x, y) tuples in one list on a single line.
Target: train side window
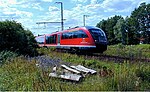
[(51, 39), (47, 39), (70, 34), (55, 36), (65, 35), (75, 34), (82, 34), (40, 40)]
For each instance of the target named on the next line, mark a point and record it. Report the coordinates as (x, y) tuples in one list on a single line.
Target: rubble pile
[(73, 73)]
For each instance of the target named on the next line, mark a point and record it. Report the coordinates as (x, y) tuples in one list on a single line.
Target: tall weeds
[(22, 75)]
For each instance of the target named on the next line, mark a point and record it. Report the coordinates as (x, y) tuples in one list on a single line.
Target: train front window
[(98, 34)]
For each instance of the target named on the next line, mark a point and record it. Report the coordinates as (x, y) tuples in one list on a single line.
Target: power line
[(46, 22)]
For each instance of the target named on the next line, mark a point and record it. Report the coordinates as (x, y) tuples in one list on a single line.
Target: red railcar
[(79, 38)]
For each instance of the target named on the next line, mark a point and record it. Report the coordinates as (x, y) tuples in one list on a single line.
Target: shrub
[(144, 74), (14, 37), (6, 56)]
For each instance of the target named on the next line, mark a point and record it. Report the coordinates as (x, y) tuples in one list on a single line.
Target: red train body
[(79, 38)]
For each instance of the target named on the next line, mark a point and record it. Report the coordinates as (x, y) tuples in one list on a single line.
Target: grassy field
[(133, 51), (19, 74)]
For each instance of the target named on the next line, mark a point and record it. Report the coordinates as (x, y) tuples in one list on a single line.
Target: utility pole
[(62, 23), (84, 19)]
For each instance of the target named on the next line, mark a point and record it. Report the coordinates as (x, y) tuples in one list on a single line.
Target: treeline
[(130, 30), (14, 38)]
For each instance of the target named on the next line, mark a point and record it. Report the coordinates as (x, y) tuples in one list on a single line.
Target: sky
[(31, 12)]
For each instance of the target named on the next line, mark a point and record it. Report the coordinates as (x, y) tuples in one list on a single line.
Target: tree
[(108, 27), (131, 30), (120, 31), (141, 24), (14, 37)]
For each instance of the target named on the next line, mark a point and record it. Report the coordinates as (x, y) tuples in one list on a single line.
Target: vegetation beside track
[(130, 51), (20, 74)]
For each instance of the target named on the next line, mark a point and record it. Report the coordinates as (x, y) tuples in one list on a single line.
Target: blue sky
[(29, 12)]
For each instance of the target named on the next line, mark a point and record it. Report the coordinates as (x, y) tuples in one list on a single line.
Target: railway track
[(117, 59)]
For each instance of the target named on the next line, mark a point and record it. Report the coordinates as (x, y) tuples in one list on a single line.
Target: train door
[(58, 39)]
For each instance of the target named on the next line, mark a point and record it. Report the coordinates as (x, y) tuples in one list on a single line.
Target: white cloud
[(93, 1), (9, 11), (24, 14), (53, 8), (74, 17), (81, 1), (47, 0), (121, 5), (142, 1), (96, 9), (4, 3), (37, 6), (116, 5)]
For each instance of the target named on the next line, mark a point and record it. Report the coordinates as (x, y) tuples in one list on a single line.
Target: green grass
[(22, 75), (132, 51)]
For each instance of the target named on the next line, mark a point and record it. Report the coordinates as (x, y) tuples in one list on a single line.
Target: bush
[(144, 74), (14, 37), (6, 56)]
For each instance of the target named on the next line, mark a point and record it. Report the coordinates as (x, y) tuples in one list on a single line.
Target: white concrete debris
[(74, 73), (54, 68), (70, 69), (67, 76), (82, 68)]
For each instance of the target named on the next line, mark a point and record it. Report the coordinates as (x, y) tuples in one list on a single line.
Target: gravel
[(45, 61)]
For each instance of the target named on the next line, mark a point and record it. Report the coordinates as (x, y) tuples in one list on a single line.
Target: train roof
[(77, 27), (91, 27), (87, 27)]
